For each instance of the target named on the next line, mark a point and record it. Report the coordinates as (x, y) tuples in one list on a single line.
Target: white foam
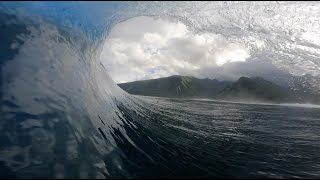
[(301, 105), (306, 105)]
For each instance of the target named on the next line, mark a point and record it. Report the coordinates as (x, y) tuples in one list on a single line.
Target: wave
[(62, 115), (301, 105), (304, 105)]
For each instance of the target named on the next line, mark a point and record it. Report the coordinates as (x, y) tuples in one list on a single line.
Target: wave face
[(62, 116)]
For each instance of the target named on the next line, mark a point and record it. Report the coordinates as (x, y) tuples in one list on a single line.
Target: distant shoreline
[(255, 90), (304, 105)]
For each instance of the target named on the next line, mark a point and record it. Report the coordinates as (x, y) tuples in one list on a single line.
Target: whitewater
[(62, 116)]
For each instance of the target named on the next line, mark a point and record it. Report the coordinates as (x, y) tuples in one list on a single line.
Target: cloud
[(146, 48)]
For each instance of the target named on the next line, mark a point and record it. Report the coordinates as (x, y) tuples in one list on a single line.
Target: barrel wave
[(62, 116)]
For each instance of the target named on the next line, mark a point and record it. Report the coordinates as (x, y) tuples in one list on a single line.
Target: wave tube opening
[(62, 116)]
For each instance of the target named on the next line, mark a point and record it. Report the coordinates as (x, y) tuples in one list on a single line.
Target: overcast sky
[(147, 48)]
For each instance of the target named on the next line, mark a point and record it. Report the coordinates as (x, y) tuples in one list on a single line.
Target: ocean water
[(202, 139), (62, 116)]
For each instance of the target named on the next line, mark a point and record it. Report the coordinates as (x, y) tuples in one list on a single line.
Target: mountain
[(260, 90), (176, 86), (256, 89), (244, 89)]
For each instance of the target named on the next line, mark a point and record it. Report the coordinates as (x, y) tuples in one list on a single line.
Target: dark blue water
[(194, 139)]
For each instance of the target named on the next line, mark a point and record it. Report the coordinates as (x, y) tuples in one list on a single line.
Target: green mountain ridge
[(244, 89), (176, 86), (256, 89)]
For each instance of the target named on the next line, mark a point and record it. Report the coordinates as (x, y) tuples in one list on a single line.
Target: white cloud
[(145, 48)]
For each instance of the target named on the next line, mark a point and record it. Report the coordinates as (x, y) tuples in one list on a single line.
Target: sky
[(149, 47)]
